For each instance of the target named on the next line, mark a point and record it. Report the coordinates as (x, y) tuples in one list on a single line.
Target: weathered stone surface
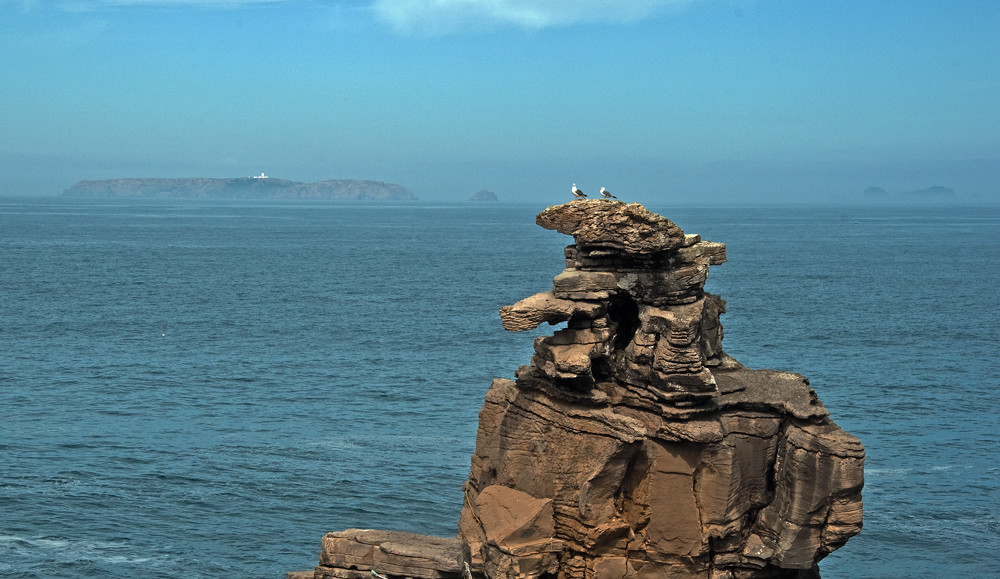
[(322, 572), (530, 312), (394, 553), (628, 227), (769, 389), (633, 446), (516, 530), (659, 454), (585, 285), (713, 253), (619, 486), (711, 329), (572, 362), (678, 286)]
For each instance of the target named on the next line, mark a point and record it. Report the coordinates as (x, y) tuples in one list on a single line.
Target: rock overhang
[(612, 224)]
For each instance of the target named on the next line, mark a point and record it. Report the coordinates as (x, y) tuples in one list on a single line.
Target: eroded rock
[(531, 312), (613, 224), (660, 454), (392, 553), (633, 446)]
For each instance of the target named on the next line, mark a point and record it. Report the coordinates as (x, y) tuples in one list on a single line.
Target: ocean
[(202, 389)]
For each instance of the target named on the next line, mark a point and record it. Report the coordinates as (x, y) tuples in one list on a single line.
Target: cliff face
[(242, 188), (632, 445)]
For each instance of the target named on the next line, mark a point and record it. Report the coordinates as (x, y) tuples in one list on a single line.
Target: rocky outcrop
[(633, 446), (240, 188), (356, 553)]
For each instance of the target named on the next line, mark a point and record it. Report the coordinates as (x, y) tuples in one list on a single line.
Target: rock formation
[(632, 446), (484, 195)]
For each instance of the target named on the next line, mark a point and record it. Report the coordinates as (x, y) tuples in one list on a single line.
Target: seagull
[(577, 193), (607, 194)]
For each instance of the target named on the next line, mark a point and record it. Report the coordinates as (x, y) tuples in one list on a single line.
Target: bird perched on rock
[(577, 193), (607, 194)]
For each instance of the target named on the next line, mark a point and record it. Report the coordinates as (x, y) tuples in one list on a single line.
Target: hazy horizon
[(715, 101)]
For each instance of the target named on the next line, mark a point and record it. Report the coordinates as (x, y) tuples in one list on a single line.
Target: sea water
[(203, 388)]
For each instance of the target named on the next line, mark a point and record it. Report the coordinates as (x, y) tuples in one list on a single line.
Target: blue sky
[(698, 100)]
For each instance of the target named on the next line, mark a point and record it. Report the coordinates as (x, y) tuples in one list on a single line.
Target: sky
[(714, 101)]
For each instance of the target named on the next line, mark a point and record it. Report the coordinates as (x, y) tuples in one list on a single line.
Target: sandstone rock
[(769, 389), (659, 454), (393, 553), (530, 312), (628, 227), (585, 285), (713, 253), (515, 530), (633, 446)]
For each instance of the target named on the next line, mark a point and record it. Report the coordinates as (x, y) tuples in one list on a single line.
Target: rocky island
[(260, 187), (632, 446), (484, 195)]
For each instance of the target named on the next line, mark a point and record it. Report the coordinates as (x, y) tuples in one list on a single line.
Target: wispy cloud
[(429, 16), (444, 16)]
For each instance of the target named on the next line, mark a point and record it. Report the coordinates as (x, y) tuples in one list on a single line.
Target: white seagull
[(607, 194), (577, 193)]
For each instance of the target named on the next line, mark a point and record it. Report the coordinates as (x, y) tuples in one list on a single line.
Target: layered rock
[(365, 553), (633, 445), (638, 313)]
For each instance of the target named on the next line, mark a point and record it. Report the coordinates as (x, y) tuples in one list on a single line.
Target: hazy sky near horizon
[(715, 100)]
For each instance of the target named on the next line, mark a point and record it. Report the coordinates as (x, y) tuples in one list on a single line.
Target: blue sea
[(201, 389)]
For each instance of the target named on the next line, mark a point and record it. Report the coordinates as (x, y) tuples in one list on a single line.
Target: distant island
[(484, 195), (935, 194), (259, 187)]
